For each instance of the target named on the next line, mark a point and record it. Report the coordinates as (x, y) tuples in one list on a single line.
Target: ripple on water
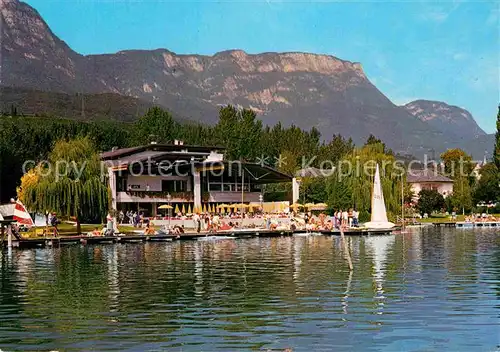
[(426, 291)]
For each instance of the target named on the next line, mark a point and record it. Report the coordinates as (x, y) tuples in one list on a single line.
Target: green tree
[(429, 201), (334, 150), (351, 184), (487, 189), (240, 132), (157, 125), (250, 131), (339, 195), (372, 140), (462, 194), (313, 190), (70, 184), (457, 163)]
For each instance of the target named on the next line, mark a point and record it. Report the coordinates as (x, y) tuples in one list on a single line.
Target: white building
[(429, 179), (144, 177)]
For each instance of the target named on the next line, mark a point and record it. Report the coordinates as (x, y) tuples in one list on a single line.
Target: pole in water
[(346, 248), (9, 237)]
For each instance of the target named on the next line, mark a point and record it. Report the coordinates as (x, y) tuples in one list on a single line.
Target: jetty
[(467, 225), (188, 236)]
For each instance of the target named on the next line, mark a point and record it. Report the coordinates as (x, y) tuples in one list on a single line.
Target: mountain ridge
[(444, 116)]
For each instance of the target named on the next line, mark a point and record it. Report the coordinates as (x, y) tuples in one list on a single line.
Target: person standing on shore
[(355, 218), (197, 222), (345, 218)]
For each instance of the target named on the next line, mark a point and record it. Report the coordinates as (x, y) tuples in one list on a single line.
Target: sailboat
[(379, 213)]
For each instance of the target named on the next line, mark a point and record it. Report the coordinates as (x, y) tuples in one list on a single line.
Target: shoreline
[(188, 236)]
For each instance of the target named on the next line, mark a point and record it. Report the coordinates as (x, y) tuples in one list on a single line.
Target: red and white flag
[(21, 215)]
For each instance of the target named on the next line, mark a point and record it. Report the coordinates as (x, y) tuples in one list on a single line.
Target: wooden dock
[(468, 225), (444, 224), (131, 238)]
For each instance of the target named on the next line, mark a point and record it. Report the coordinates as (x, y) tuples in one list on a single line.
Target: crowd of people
[(210, 223), (473, 218)]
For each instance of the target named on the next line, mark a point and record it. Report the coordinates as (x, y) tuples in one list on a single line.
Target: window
[(215, 187), (180, 186), (173, 186), (121, 184), (167, 186)]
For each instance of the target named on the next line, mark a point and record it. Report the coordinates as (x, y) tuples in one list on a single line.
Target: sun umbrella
[(295, 206), (308, 205), (276, 207), (183, 209), (223, 206), (177, 208), (241, 205), (204, 208), (165, 206), (189, 209), (319, 206), (265, 207)]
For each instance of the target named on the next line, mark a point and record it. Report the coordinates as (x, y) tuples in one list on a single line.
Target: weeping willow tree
[(70, 183), (352, 183)]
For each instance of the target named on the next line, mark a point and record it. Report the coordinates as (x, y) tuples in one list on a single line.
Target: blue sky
[(439, 50)]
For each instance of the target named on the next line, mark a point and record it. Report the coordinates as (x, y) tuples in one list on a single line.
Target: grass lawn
[(70, 229)]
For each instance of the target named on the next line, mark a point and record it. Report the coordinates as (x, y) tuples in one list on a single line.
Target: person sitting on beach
[(226, 227), (149, 230), (329, 225), (215, 222), (177, 230)]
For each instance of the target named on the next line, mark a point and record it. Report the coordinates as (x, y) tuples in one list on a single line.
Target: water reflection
[(430, 290)]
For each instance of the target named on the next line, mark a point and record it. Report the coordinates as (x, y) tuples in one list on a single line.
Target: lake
[(428, 290)]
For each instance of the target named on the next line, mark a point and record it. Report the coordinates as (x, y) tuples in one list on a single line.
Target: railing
[(152, 197), (233, 197)]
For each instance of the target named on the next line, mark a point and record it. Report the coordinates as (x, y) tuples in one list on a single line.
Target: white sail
[(379, 213)]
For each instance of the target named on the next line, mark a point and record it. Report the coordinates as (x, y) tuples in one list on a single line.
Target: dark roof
[(421, 176), (258, 173), (123, 152)]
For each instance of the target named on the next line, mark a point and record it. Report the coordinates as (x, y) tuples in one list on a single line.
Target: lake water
[(429, 290)]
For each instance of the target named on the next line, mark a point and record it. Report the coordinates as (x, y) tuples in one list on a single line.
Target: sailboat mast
[(402, 203)]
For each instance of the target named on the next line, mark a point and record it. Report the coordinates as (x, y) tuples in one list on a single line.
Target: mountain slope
[(295, 88), (446, 118), (78, 106)]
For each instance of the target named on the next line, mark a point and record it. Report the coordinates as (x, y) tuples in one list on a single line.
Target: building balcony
[(185, 197), (154, 197), (232, 197)]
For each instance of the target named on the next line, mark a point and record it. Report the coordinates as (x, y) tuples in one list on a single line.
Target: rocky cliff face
[(294, 88), (446, 118)]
